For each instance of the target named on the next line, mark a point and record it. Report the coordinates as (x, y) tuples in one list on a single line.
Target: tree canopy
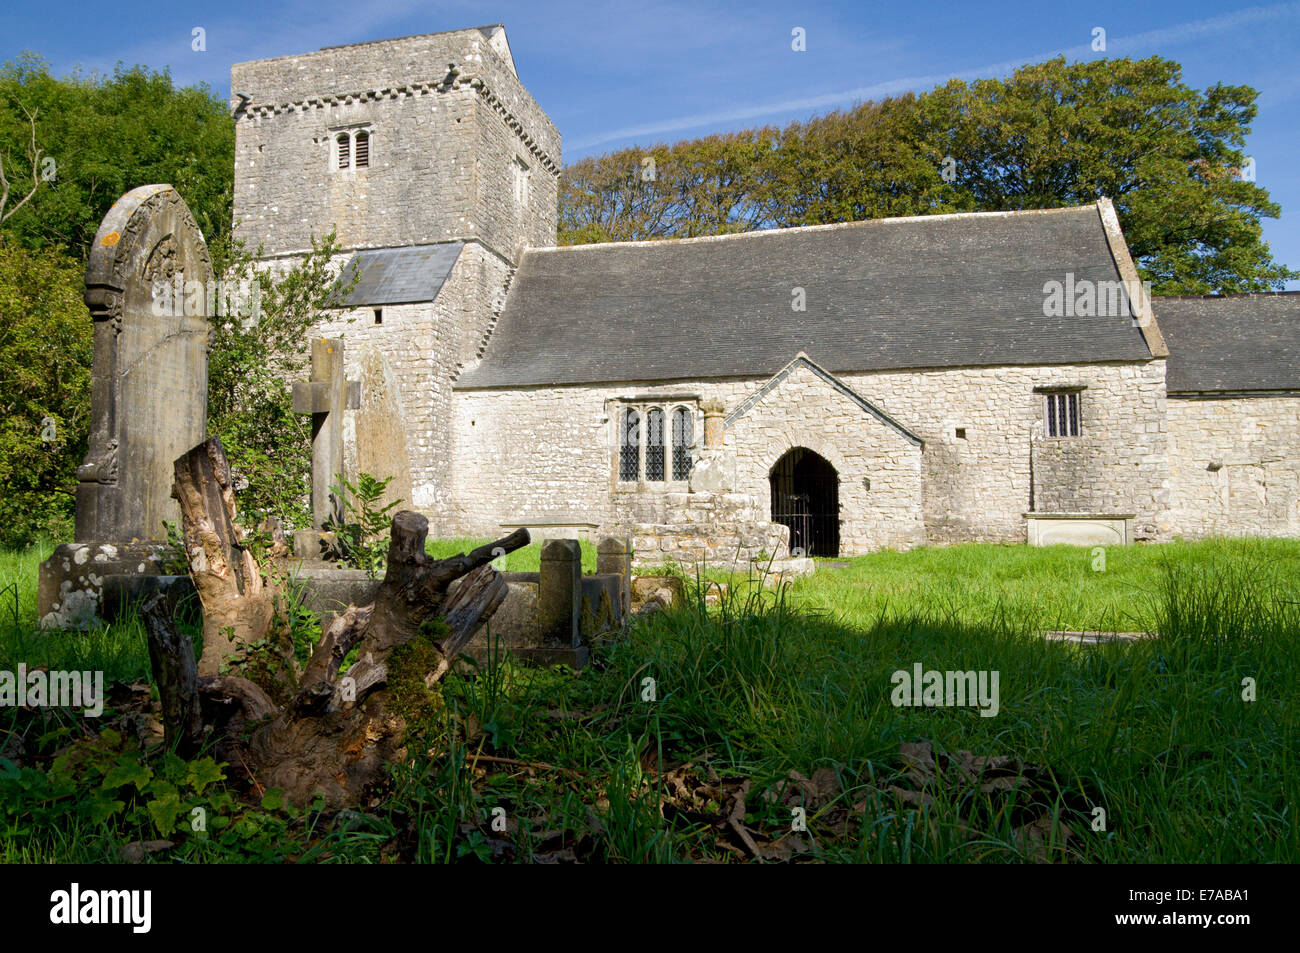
[(107, 135), (1051, 135)]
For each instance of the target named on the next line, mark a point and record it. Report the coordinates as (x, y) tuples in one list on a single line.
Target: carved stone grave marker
[(148, 283)]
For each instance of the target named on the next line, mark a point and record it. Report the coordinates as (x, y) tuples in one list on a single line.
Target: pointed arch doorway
[(806, 498)]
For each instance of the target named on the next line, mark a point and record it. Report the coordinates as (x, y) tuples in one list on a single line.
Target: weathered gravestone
[(148, 400), (559, 604), (325, 397)]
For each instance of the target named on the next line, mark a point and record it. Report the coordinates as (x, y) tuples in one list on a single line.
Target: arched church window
[(654, 449), (683, 427), (345, 150), (363, 149), (629, 446)]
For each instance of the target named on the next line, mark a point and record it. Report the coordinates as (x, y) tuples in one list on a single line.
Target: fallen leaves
[(986, 792)]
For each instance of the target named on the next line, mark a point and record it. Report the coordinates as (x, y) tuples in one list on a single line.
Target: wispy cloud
[(231, 39), (1138, 42)]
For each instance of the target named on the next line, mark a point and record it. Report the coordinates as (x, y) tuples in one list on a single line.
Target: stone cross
[(148, 284), (325, 397)]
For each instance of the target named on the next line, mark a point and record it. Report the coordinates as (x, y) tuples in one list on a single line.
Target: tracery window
[(654, 442)]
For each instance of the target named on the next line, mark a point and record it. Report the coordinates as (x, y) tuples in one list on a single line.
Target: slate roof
[(931, 291), (399, 275), (1246, 342)]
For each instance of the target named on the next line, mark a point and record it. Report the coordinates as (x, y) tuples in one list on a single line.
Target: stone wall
[(405, 364), (442, 147), (879, 468), (553, 450), (977, 487), (1235, 466)]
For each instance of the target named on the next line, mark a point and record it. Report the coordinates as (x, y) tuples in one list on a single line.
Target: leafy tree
[(1168, 156), (871, 161), (706, 186), (107, 135), (1051, 135), (253, 359), (46, 344)]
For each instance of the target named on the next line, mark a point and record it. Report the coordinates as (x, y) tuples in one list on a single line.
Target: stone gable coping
[(1146, 318), (803, 360)]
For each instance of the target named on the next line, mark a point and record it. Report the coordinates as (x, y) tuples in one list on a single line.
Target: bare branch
[(35, 153)]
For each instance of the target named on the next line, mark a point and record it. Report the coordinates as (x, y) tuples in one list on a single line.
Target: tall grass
[(1160, 733), (119, 650), (1156, 732)]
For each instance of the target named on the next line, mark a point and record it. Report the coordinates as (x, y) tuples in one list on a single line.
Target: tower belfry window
[(353, 148)]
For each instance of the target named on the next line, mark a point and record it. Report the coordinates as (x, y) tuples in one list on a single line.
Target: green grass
[(1052, 587), (584, 766), (119, 650)]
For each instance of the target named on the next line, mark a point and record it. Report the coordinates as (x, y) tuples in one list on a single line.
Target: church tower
[(437, 169)]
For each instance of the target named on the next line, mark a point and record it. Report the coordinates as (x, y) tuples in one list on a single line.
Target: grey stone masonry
[(459, 160), (148, 287), (614, 556), (457, 148)]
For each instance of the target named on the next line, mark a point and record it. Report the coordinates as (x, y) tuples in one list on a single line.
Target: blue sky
[(621, 72)]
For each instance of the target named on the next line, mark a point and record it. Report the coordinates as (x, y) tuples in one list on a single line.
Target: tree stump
[(312, 731)]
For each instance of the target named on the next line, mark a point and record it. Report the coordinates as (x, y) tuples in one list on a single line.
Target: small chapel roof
[(924, 292), (405, 275), (1242, 342)]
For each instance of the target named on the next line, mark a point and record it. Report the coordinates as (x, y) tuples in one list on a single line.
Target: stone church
[(888, 383)]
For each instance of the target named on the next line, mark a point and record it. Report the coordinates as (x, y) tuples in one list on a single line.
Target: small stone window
[(344, 142), (1061, 413), (362, 142), (629, 446), (519, 182)]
